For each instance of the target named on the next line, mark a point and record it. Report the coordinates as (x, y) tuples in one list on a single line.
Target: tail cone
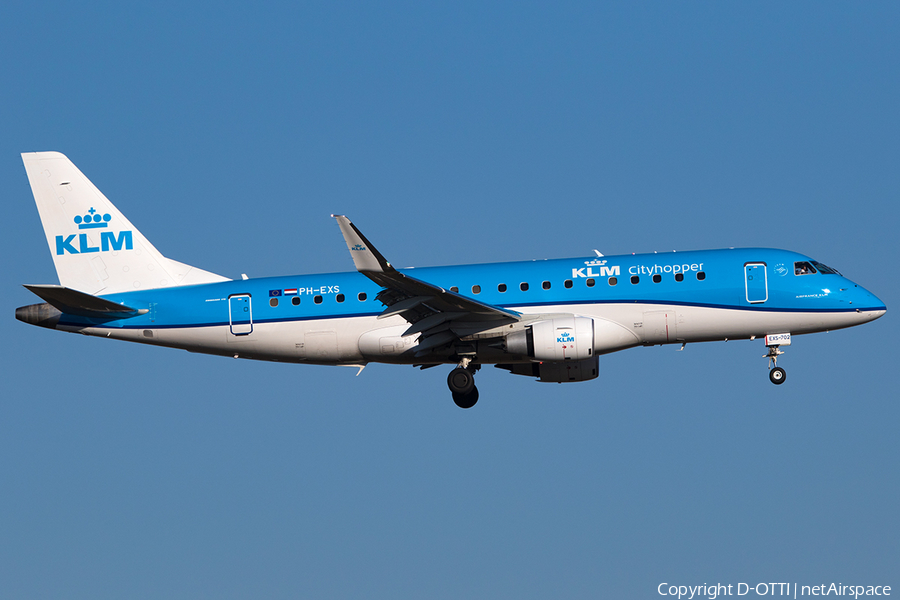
[(42, 315)]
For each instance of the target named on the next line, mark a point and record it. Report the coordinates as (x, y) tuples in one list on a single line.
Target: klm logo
[(565, 338), (109, 240), (588, 271), (358, 248), (92, 220)]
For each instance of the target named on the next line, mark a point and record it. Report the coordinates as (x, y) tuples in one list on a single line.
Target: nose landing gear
[(777, 375), (461, 382)]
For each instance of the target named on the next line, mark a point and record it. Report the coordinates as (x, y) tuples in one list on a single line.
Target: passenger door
[(756, 282), (240, 314)]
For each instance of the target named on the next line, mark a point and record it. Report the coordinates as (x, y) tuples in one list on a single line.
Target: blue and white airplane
[(546, 319)]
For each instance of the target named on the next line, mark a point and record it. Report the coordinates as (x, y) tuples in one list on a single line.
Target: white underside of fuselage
[(359, 340)]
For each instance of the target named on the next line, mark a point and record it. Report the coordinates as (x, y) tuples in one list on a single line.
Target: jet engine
[(558, 339), (566, 347)]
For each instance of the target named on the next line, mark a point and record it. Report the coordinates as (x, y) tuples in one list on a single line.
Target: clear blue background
[(451, 133)]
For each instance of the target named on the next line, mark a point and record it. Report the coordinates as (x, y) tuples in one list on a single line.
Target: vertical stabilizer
[(95, 248)]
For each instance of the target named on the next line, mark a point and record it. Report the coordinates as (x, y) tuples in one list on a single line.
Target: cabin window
[(657, 278), (546, 285), (825, 269), (701, 275), (362, 297), (340, 298), (295, 300), (590, 282), (318, 299), (523, 286), (476, 289), (803, 268), (613, 280), (454, 289), (679, 276), (501, 288), (635, 279), (567, 283), (273, 302)]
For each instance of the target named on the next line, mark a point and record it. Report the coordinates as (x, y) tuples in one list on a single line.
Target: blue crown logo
[(92, 220), (358, 247)]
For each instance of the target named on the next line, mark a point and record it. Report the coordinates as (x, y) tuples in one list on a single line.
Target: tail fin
[(95, 248)]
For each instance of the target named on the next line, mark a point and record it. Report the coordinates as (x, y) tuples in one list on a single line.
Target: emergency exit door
[(756, 283), (240, 314)]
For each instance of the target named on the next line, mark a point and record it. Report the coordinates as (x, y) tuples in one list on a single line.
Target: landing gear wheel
[(777, 375), (461, 381), (466, 400)]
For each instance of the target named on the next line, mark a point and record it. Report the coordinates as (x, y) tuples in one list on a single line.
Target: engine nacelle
[(570, 370), (559, 371), (559, 339)]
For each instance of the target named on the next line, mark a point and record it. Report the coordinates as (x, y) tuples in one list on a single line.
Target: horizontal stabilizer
[(73, 302)]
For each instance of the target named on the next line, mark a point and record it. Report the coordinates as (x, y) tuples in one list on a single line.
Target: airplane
[(547, 319)]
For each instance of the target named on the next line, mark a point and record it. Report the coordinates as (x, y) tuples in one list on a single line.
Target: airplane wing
[(440, 316)]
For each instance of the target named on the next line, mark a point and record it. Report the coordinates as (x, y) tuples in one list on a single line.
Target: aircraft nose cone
[(877, 304), (869, 304)]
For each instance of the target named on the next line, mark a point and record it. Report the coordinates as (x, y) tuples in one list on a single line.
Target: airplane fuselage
[(646, 299)]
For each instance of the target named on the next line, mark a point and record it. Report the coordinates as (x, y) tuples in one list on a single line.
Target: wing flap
[(431, 322), (404, 305)]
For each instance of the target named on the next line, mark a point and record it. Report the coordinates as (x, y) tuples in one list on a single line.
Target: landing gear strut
[(776, 373), (461, 382)]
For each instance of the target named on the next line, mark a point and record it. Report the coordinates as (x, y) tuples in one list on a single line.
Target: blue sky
[(451, 133)]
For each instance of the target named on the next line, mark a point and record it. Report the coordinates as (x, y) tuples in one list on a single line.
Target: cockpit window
[(825, 269), (803, 268)]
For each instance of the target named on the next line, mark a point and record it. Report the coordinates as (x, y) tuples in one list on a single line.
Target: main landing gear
[(461, 382), (776, 373)]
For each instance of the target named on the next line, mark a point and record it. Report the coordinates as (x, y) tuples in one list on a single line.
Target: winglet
[(365, 256)]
